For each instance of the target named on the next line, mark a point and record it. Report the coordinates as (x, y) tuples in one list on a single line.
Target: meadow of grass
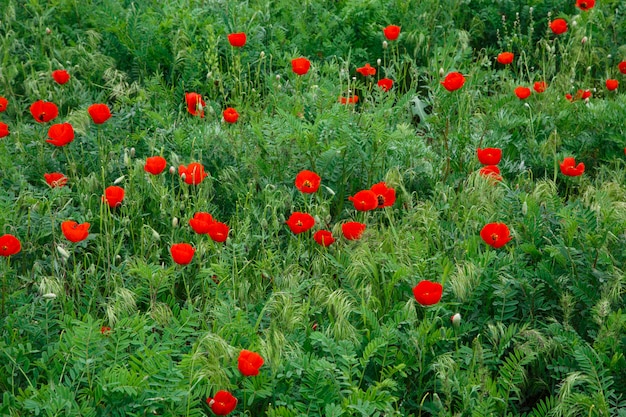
[(118, 319)]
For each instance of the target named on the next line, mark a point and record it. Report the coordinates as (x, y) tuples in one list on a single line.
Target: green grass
[(543, 318)]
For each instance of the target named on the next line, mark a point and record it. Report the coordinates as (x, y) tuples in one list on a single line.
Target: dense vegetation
[(110, 319)]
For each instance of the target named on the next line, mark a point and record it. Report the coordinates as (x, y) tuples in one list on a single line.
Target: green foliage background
[(543, 329)]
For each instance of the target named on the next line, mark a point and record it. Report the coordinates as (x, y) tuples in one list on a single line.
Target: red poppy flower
[(195, 104), (300, 222), (453, 81), (489, 156), (495, 234), (583, 94), (558, 26), (61, 76), (44, 111), (9, 245), (4, 130), (585, 5), (612, 84), (505, 58), (385, 196), (367, 70), (99, 113), (182, 253), (223, 403), (60, 134), (300, 65), (364, 200), (155, 165), (428, 293), (522, 92), (385, 84), (540, 86), (237, 39), (105, 330), (569, 97), (308, 181), (75, 232), (621, 67), (200, 222), (218, 231), (353, 230), (569, 167), (193, 173), (392, 32), (113, 196), (230, 115), (350, 100), (324, 238), (249, 363), (4, 103), (55, 179), (491, 171)]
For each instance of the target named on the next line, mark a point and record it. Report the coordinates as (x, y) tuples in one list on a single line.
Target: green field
[(315, 208)]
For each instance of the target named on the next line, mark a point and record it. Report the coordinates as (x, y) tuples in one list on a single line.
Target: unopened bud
[(155, 235), (589, 69), (49, 296), (48, 31), (64, 254), (379, 61), (524, 208), (456, 320), (262, 54), (175, 222), (609, 56), (132, 152), (574, 23), (118, 180), (441, 72), (277, 77), (172, 170), (183, 176), (385, 44), (584, 40)]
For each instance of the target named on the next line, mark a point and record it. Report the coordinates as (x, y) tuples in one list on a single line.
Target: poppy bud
[(132, 152), (64, 254), (441, 72), (262, 54), (456, 320), (584, 40), (277, 77), (172, 170), (183, 177), (385, 44), (524, 208), (174, 221), (49, 296), (118, 180), (48, 31), (155, 235)]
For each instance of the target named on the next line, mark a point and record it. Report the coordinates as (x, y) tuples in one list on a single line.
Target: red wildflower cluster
[(193, 174), (204, 224), (195, 104), (490, 158)]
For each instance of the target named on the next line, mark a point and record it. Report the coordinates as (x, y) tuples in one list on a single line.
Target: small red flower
[(44, 111), (385, 196), (385, 84), (350, 100), (621, 67), (569, 97), (540, 86), (522, 92), (364, 200), (60, 134), (75, 232), (4, 130), (113, 196), (569, 167), (585, 5), (491, 171), (300, 65), (453, 81), (194, 173), (583, 94), (3, 104), (324, 238), (223, 403), (9, 245), (308, 181), (218, 231), (55, 179), (612, 84), (392, 32), (182, 253), (495, 234), (99, 113), (200, 222), (428, 293), (230, 115), (249, 362), (489, 156), (367, 70), (61, 76), (105, 330), (237, 39), (505, 58), (558, 26), (195, 104), (155, 165), (353, 230), (300, 222)]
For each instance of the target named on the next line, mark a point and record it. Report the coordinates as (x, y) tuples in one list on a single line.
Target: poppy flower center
[(381, 200), (4, 248), (307, 184), (299, 223), (42, 115), (494, 237)]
